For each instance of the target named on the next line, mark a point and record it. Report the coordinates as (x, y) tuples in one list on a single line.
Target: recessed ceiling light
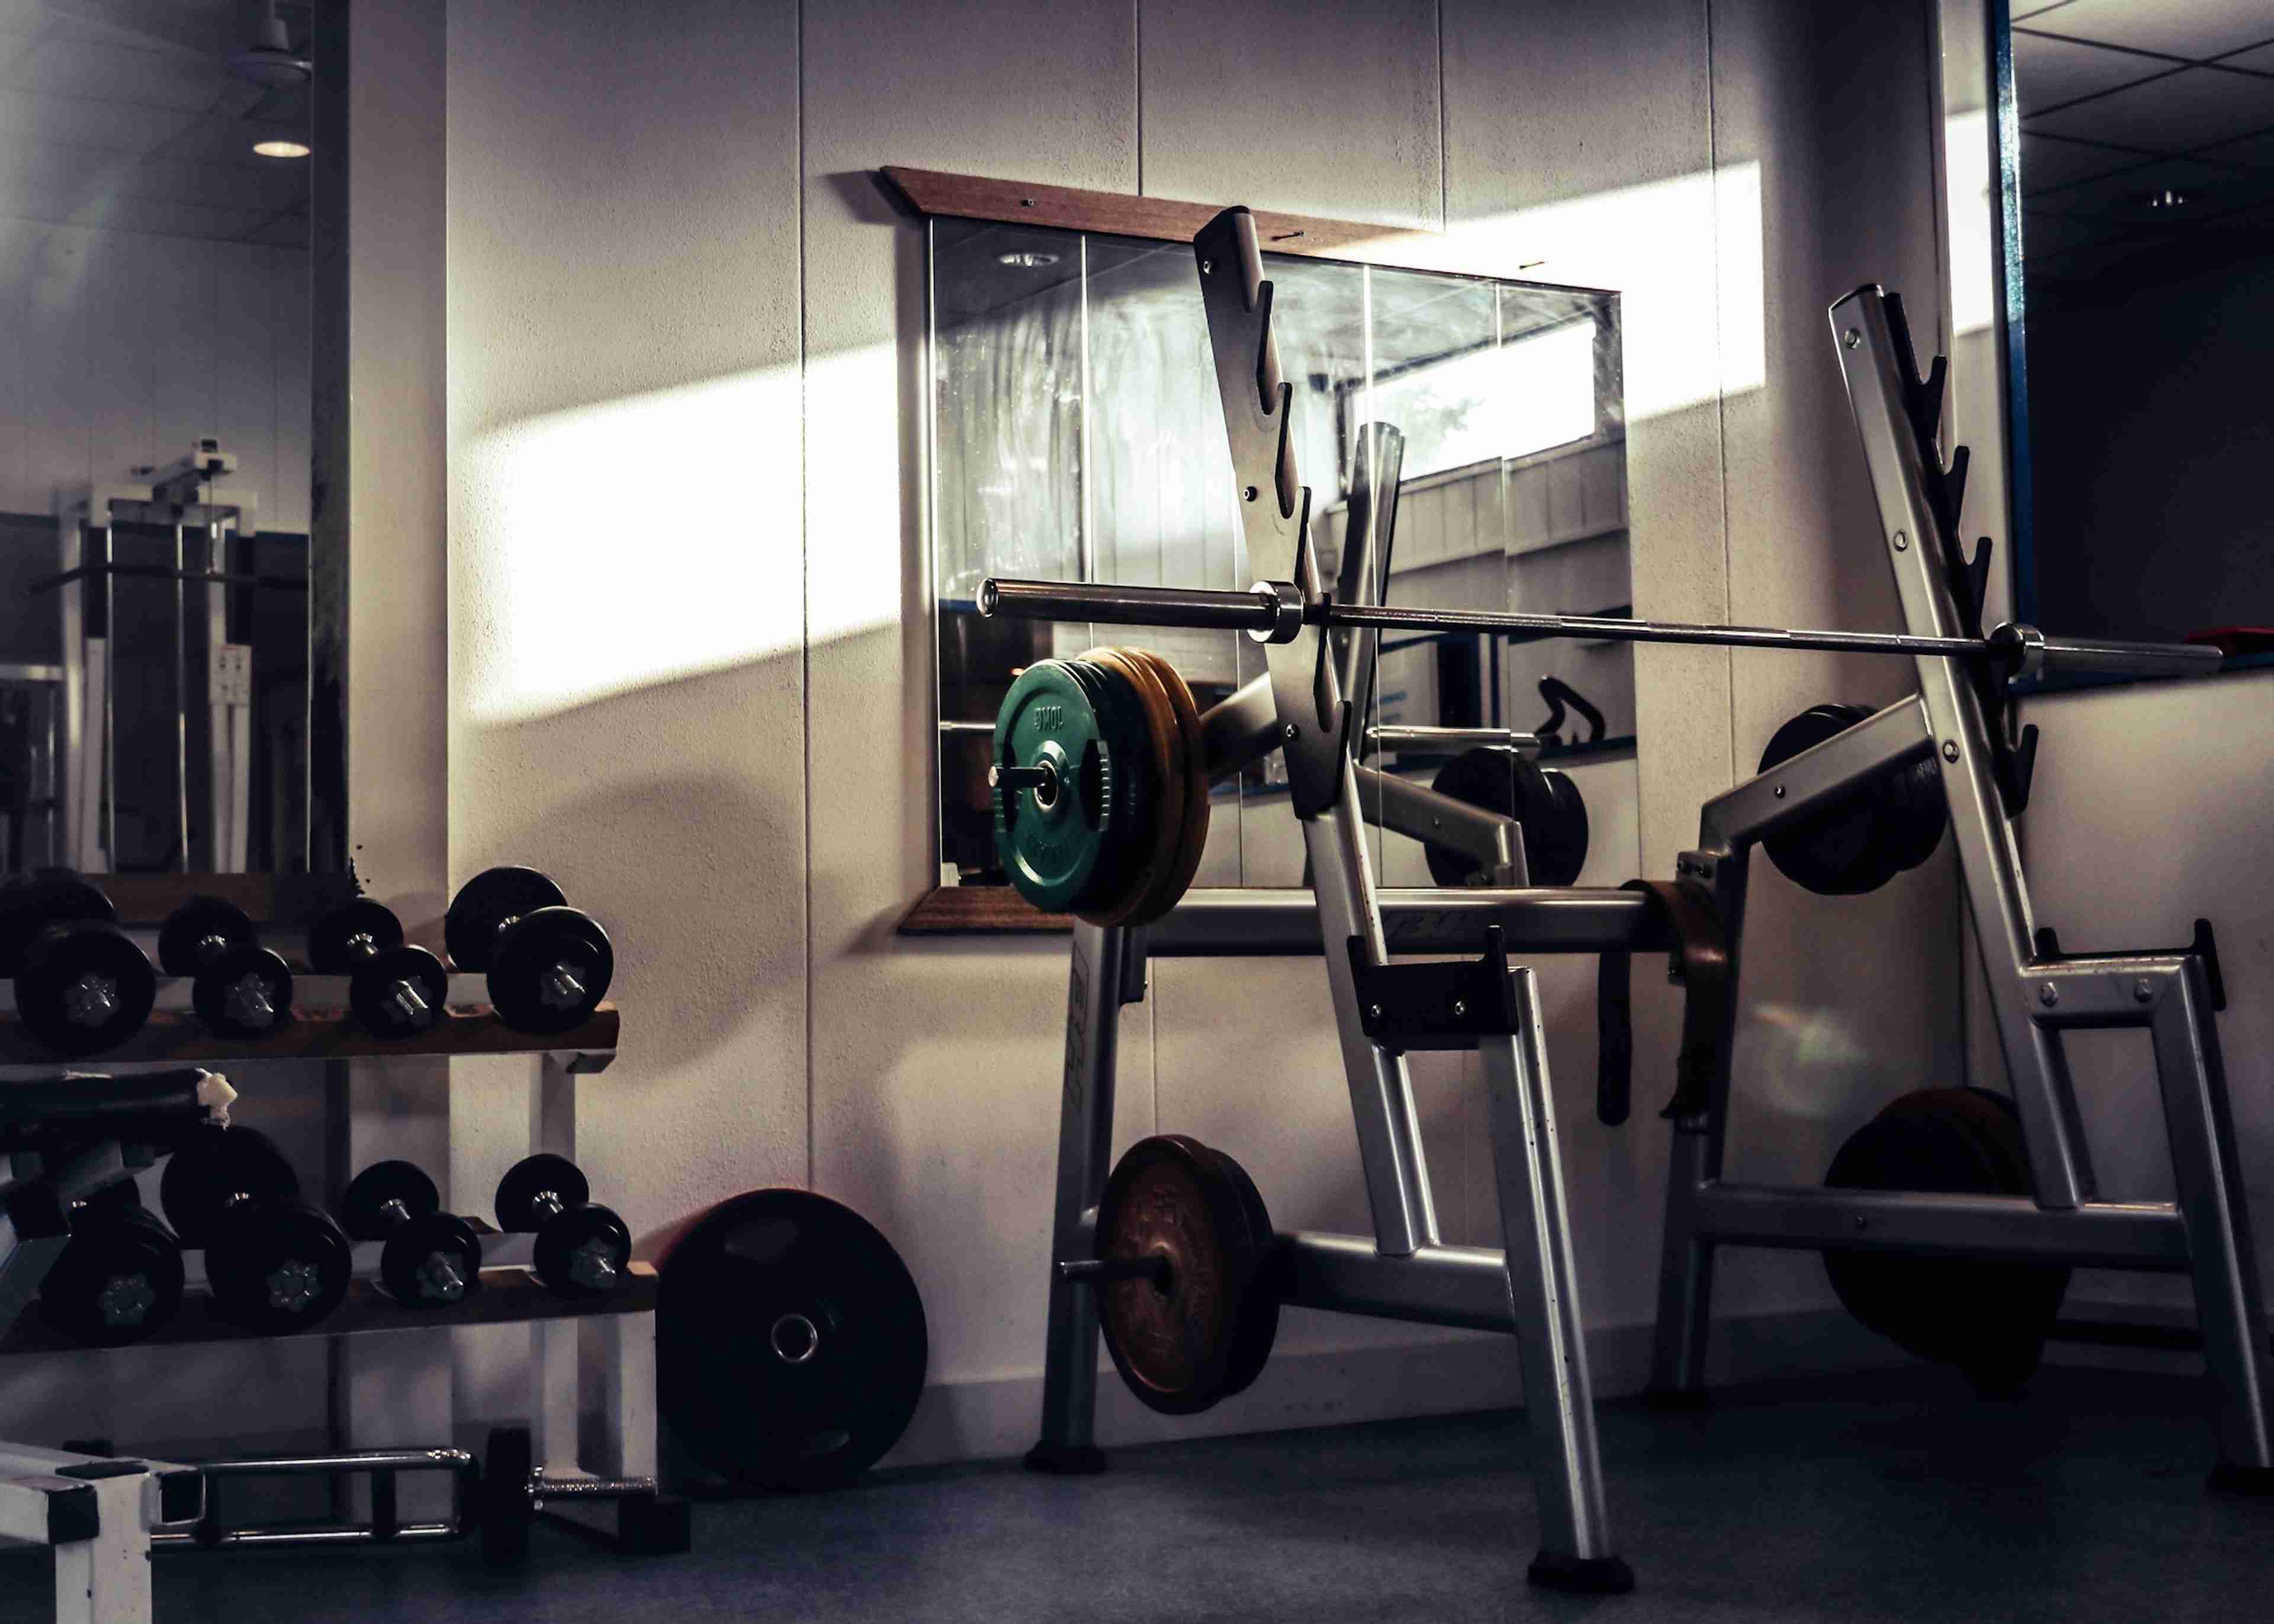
[(2169, 197), (1027, 261), (281, 149)]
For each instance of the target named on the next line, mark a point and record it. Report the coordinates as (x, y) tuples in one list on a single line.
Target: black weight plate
[(523, 961), (532, 1176), (583, 1253), (277, 1267), (1259, 1319), (370, 992), (230, 994), (202, 929), (1052, 850), (407, 1264), (213, 1165), (363, 1204), (507, 1509), (85, 987), (1915, 813), (791, 1341), (118, 1280), (1132, 832), (483, 905), (1174, 1343), (1840, 850), (1988, 1316), (29, 906), (351, 933), (1548, 805)]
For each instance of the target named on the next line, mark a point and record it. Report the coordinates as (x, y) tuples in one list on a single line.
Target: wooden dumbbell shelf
[(321, 1029), (509, 1295)]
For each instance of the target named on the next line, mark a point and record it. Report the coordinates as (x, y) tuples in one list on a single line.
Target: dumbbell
[(548, 964), (120, 1276), (396, 991), (275, 1263), (239, 989), (432, 1259), (583, 1248), (82, 985)]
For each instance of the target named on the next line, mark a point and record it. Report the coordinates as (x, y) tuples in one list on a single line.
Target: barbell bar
[(1274, 611)]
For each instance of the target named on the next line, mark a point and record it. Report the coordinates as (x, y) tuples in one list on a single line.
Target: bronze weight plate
[(1178, 1343)]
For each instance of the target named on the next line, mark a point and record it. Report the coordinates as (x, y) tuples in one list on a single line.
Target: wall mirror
[(1077, 434), (2138, 162), (155, 435)]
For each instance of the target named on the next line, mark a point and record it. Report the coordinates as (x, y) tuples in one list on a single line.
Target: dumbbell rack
[(323, 1030)]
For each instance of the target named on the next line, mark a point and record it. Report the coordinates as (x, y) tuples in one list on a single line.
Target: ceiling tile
[(78, 121), (2256, 150), (2044, 236), (2258, 61), (2192, 108), (2190, 29), (2048, 161), (2124, 196), (121, 73), (2049, 72)]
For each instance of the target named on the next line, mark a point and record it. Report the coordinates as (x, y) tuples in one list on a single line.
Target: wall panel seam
[(805, 608), (1720, 395)]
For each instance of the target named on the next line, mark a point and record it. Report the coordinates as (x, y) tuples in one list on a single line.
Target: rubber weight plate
[(1135, 789), (1547, 804), (29, 906), (1052, 840), (791, 1342), (1868, 836), (212, 1167), (485, 903), (1158, 785), (1192, 832), (1259, 1319), (351, 933), (1988, 1316), (1179, 1344)]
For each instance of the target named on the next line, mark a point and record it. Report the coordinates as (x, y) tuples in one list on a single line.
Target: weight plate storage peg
[(119, 1278), (239, 988), (1990, 1317), (584, 1249), (275, 1264), (1199, 1326), (1870, 834), (432, 1258), (790, 1340), (548, 965), (82, 984)]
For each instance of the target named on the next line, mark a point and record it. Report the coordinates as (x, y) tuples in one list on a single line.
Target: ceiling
[(2147, 130), (123, 114)]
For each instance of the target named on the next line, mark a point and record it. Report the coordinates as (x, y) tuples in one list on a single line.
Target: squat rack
[(1530, 1287)]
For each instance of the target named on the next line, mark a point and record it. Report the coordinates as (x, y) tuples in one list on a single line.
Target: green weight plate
[(1051, 842), (1133, 827)]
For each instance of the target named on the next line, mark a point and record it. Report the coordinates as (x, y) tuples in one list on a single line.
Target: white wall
[(119, 349), (689, 662)]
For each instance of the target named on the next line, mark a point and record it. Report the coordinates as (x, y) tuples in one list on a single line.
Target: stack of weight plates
[(1114, 830)]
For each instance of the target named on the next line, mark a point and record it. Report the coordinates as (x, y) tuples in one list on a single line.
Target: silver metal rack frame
[(1529, 1287)]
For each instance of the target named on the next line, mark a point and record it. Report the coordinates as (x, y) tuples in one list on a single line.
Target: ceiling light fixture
[(2171, 197), (1027, 259), (281, 149)]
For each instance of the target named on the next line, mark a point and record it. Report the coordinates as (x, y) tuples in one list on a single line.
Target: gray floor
[(1893, 1497)]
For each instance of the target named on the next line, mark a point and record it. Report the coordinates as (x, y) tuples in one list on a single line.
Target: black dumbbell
[(583, 1248), (396, 991), (549, 965), (275, 1263), (82, 985), (239, 988), (119, 1277), (432, 1258)]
